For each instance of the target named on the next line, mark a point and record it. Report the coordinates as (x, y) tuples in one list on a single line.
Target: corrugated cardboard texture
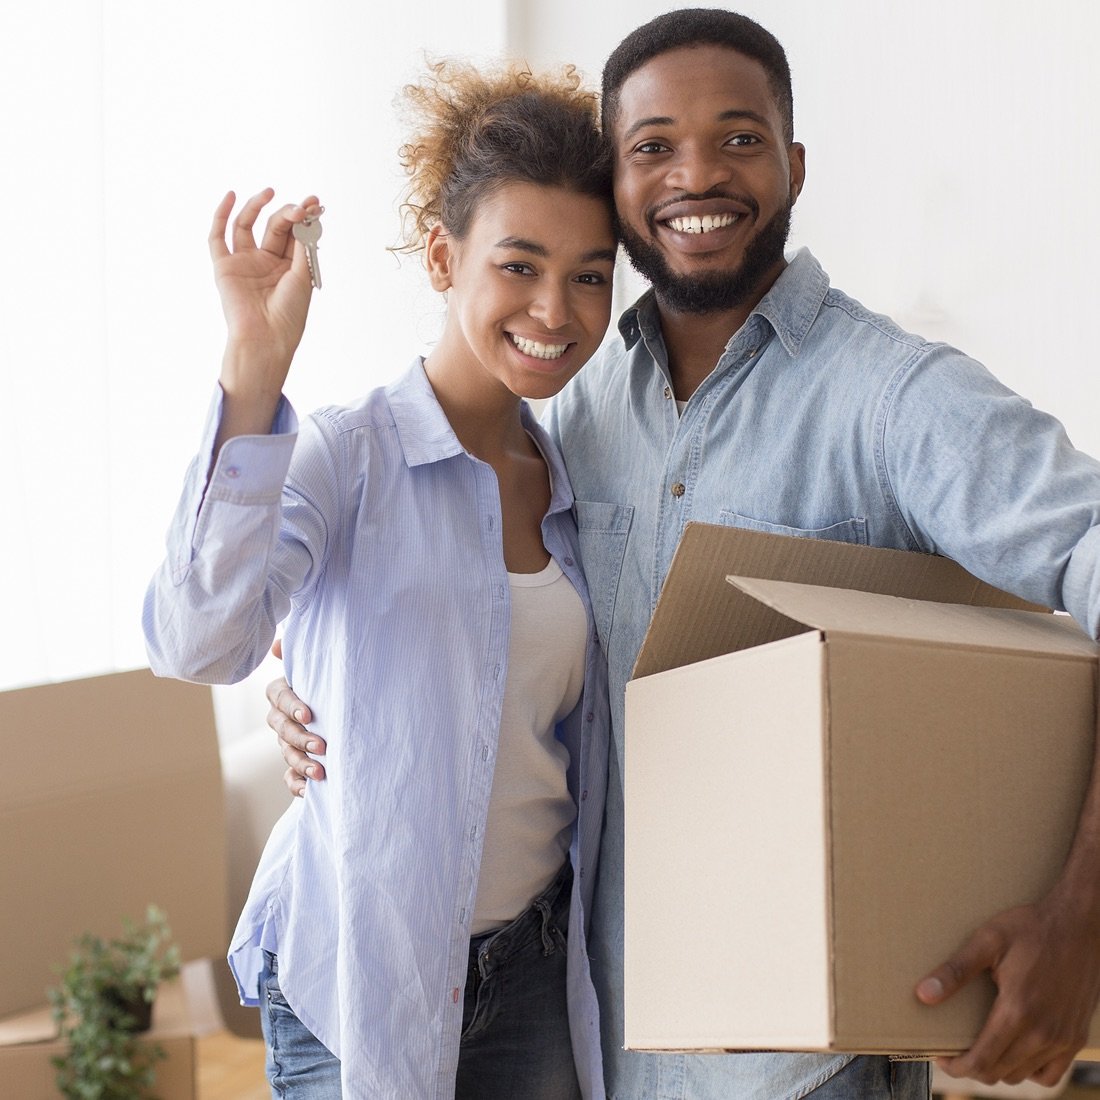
[(699, 616), (121, 805), (951, 799)]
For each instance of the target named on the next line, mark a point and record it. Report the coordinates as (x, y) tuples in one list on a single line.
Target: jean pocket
[(603, 530), (847, 530)]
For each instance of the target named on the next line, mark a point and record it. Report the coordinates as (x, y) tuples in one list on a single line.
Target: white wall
[(952, 160)]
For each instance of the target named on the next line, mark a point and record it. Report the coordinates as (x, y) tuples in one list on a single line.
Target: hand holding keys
[(308, 231)]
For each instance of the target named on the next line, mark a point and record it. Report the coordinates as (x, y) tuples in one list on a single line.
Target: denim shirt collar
[(790, 306), (425, 434)]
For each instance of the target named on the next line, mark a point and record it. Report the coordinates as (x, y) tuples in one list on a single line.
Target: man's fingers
[(979, 953)]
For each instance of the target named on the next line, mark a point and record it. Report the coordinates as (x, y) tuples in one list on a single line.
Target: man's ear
[(439, 258), (796, 154)]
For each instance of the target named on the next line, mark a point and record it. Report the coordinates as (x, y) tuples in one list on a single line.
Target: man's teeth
[(537, 350), (703, 224)]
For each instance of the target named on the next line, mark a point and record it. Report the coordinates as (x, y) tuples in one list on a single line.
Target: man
[(745, 390)]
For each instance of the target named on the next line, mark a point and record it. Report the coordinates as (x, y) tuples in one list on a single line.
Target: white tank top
[(530, 808)]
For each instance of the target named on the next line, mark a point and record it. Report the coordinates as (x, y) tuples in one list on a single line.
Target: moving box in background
[(118, 803)]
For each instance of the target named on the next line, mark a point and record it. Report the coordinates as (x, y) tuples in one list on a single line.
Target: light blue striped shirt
[(378, 539)]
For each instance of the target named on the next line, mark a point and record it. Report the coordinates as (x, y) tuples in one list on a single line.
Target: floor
[(231, 1068)]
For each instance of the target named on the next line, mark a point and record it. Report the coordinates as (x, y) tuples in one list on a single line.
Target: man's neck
[(695, 342)]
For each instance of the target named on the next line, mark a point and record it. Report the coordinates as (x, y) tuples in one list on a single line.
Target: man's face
[(704, 179)]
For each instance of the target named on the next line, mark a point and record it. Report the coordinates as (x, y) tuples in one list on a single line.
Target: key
[(308, 231)]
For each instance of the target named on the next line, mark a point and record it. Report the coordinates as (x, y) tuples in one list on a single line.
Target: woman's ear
[(439, 258)]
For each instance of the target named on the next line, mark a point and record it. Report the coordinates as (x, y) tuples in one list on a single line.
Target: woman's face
[(528, 287)]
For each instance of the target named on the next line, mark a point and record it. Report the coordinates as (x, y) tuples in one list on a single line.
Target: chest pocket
[(603, 530), (848, 530)]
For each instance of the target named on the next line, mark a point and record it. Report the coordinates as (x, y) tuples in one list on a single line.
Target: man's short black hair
[(699, 27)]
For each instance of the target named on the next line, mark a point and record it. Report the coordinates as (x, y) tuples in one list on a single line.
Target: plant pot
[(129, 1012)]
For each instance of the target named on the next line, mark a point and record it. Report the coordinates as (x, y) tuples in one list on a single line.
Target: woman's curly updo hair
[(475, 131)]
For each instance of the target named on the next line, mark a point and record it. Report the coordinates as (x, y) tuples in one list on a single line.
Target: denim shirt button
[(568, 561), (668, 393), (678, 489)]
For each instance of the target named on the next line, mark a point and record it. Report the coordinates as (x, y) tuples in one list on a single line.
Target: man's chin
[(713, 291)]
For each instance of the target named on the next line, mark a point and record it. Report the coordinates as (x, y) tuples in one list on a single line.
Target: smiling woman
[(419, 548)]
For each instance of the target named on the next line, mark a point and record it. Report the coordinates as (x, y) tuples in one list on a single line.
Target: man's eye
[(743, 139)]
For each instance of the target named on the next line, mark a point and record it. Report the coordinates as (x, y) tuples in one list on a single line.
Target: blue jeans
[(875, 1077), (515, 1028)]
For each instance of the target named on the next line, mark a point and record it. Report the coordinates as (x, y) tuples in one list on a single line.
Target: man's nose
[(696, 170)]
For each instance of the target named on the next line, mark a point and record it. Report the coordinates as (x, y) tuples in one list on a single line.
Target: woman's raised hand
[(265, 289)]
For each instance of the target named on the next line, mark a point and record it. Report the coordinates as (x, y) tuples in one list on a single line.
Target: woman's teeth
[(703, 224), (537, 350)]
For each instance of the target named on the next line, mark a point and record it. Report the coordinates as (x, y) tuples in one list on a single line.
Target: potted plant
[(104, 1001)]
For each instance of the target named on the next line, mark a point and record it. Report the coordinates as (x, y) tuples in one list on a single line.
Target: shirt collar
[(423, 430), (790, 306), (426, 435)]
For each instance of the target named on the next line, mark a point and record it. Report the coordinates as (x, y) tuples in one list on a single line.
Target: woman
[(416, 925)]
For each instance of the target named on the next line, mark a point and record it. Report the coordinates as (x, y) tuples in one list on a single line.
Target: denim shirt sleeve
[(981, 476)]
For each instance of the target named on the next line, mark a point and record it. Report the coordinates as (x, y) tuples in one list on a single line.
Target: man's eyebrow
[(666, 120)]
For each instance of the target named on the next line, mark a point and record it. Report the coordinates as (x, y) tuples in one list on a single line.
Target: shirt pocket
[(603, 531), (847, 530)]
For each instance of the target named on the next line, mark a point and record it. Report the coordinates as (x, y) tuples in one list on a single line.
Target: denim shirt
[(378, 538), (820, 419)]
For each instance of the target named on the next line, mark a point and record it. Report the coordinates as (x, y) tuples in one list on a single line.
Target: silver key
[(308, 231)]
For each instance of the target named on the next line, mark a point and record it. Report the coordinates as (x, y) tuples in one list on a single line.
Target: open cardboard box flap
[(699, 615)]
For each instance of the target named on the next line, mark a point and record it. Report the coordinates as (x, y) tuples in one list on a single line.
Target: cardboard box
[(27, 1072), (827, 789), (119, 805)]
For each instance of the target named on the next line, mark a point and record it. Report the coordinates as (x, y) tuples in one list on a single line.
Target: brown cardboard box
[(827, 789), (27, 1073), (119, 805)]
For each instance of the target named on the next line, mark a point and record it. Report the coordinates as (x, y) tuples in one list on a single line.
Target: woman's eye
[(517, 268), (650, 147)]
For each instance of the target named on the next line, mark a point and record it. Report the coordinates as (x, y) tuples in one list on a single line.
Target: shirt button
[(568, 561), (678, 489), (232, 471), (668, 393), (753, 352), (584, 795), (590, 716)]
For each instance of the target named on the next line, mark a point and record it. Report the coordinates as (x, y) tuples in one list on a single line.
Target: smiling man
[(746, 390)]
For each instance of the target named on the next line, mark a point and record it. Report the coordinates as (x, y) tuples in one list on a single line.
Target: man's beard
[(718, 290)]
